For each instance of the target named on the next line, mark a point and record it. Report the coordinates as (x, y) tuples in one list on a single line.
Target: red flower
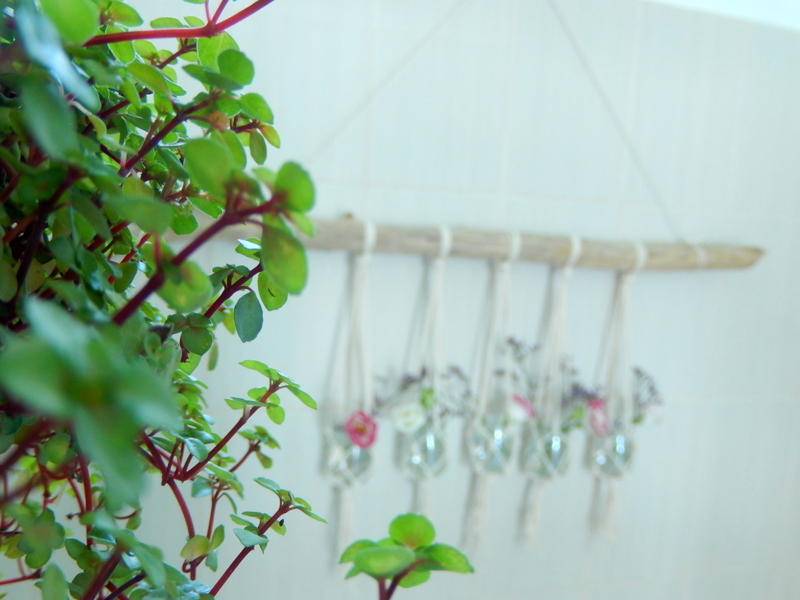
[(598, 419), (361, 429)]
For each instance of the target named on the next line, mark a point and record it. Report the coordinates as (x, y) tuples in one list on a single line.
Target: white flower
[(408, 418)]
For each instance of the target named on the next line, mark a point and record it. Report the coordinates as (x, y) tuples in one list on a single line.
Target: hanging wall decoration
[(425, 397), (611, 412), (546, 384), (488, 435), (351, 429)]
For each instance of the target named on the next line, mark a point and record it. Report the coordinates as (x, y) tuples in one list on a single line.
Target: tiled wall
[(469, 112)]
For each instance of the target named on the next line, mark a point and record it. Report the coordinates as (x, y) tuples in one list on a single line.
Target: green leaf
[(152, 562), (210, 164), (196, 547), (54, 584), (296, 185), (33, 372), (284, 258), (231, 141), (197, 340), (149, 77), (248, 316), (383, 562), (412, 530), (151, 215), (350, 552), (303, 397), (217, 537), (248, 538), (124, 53), (303, 222), (258, 147), (43, 44), (166, 23), (448, 558), (276, 413), (236, 66), (8, 282), (121, 13), (76, 20), (208, 49), (49, 118), (192, 290), (196, 448), (212, 560), (255, 107), (268, 483), (417, 576), (272, 295), (272, 135), (258, 367), (313, 515)]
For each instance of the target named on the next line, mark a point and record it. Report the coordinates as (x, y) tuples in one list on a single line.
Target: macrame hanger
[(551, 384), (431, 342), (432, 359), (357, 388), (358, 381), (614, 373), (498, 328)]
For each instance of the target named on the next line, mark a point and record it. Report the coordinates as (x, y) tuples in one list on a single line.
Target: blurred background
[(611, 119)]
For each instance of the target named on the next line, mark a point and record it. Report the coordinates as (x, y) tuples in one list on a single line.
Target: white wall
[(467, 112)]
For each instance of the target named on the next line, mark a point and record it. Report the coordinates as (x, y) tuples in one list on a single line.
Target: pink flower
[(523, 406), (361, 429), (598, 420)]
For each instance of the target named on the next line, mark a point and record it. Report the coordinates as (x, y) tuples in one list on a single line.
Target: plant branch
[(187, 515), (232, 289), (35, 575), (396, 579), (126, 586), (224, 441), (210, 29), (282, 510), (102, 576)]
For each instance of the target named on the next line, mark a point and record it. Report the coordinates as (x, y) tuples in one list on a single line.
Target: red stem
[(224, 441), (231, 290), (396, 579), (210, 29), (157, 280), (125, 586), (187, 515), (35, 575), (282, 510), (102, 576), (179, 118), (22, 446)]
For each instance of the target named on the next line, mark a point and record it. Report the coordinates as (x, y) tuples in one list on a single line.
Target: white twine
[(357, 385), (419, 501), (614, 372), (431, 346), (358, 379), (702, 256), (476, 510), (497, 330)]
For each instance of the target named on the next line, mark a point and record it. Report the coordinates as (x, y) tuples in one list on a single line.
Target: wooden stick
[(348, 235)]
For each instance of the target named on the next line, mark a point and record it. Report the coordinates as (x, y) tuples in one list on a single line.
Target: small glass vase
[(545, 453), (423, 453), (489, 441), (611, 455), (347, 463)]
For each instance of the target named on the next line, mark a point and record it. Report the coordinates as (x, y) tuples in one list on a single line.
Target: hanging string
[(551, 386), (357, 390), (614, 375), (497, 330), (432, 357)]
